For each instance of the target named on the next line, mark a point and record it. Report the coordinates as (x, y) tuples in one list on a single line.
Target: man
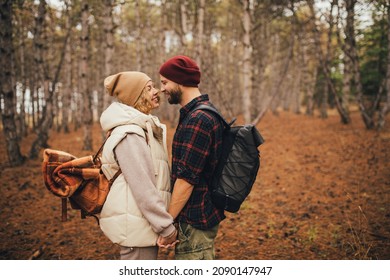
[(195, 151)]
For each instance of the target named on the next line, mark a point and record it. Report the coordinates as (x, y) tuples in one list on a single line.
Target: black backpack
[(237, 166)]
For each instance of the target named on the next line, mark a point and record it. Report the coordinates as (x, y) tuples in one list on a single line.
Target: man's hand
[(168, 241)]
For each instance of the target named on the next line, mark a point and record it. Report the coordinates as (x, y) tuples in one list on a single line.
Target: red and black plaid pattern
[(195, 151)]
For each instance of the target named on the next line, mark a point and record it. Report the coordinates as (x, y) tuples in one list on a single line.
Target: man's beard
[(175, 96)]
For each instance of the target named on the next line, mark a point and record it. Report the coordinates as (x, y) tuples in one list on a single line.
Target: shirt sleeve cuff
[(168, 231), (188, 176)]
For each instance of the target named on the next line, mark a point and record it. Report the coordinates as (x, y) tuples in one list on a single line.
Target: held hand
[(169, 241), (161, 244)]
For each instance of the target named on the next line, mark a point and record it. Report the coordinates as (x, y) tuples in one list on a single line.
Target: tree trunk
[(23, 79), (68, 85), (386, 108), (260, 55), (139, 39), (283, 70), (84, 83), (7, 89), (367, 114), (344, 115), (183, 24), (247, 61), (200, 34), (56, 108), (109, 48), (348, 69), (328, 58), (49, 84), (33, 101), (350, 34), (296, 96), (44, 124), (308, 89)]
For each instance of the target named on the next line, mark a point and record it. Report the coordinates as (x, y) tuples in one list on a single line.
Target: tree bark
[(43, 124), (283, 72), (109, 29), (23, 78), (139, 39), (68, 85), (7, 88), (262, 49), (344, 115), (200, 34), (328, 58), (49, 84), (386, 108), (247, 60), (347, 73), (308, 89), (84, 83), (367, 115), (350, 38), (183, 24)]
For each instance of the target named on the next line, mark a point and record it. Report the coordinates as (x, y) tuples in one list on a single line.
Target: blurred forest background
[(255, 56)]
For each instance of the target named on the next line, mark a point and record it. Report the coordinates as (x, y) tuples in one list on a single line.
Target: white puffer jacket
[(121, 220)]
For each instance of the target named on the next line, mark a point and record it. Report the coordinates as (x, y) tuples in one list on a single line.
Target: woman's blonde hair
[(143, 104)]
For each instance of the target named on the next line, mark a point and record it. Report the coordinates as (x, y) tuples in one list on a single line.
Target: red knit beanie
[(181, 70)]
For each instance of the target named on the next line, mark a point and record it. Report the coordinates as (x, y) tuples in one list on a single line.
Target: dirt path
[(323, 192)]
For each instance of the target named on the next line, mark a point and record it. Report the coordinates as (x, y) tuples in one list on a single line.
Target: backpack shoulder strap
[(101, 147), (215, 111)]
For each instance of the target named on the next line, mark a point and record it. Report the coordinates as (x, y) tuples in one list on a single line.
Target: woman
[(135, 212)]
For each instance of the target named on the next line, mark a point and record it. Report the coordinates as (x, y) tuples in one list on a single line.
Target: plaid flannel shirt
[(195, 150)]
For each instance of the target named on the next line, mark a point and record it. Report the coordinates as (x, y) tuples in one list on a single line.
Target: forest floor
[(322, 192)]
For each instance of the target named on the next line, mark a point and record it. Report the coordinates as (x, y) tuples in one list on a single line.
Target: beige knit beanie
[(126, 86)]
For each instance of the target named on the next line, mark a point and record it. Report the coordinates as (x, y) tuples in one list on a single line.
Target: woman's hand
[(168, 241)]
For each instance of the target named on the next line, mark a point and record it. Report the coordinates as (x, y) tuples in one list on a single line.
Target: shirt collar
[(191, 105)]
